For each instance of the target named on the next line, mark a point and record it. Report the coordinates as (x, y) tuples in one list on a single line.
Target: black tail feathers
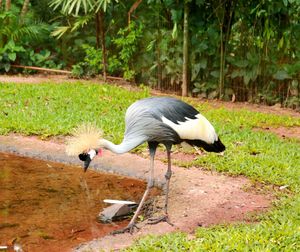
[(216, 146)]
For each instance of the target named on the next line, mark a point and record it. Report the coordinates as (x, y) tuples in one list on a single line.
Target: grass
[(49, 110), (257, 154), (55, 109)]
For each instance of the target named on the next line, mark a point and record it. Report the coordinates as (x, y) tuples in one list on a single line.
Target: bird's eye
[(83, 156)]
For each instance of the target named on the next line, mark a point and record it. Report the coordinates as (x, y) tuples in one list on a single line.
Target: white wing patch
[(194, 129)]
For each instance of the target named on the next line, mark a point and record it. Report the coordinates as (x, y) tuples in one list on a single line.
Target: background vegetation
[(239, 50), (47, 109)]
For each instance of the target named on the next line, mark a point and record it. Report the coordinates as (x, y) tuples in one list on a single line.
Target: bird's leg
[(168, 177), (130, 227)]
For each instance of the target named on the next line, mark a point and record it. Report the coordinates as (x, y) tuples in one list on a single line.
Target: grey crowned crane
[(154, 120)]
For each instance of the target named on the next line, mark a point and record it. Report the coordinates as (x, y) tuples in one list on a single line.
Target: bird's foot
[(129, 229), (156, 220)]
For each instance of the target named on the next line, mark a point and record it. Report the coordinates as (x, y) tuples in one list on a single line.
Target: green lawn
[(55, 109), (50, 110)]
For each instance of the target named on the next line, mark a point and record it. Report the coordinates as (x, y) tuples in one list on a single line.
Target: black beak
[(87, 163), (85, 157)]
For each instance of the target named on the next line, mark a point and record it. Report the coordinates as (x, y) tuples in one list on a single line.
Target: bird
[(155, 120)]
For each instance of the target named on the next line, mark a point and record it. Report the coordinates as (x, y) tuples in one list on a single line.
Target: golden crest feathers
[(83, 138)]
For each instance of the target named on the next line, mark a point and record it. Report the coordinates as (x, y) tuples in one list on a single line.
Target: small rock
[(283, 187), (115, 212)]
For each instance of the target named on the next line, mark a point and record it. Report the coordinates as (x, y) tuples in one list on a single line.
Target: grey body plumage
[(144, 122)]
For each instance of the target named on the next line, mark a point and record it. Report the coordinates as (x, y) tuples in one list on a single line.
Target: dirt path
[(197, 198)]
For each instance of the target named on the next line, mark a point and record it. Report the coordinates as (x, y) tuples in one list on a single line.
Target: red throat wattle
[(100, 152)]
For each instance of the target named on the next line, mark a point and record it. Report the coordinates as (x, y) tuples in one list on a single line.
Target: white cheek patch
[(92, 154), (194, 129)]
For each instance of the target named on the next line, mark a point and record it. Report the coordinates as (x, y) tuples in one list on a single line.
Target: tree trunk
[(132, 9), (102, 34), (185, 69), (7, 5), (225, 17), (1, 4), (24, 10), (158, 52), (222, 59), (4, 38), (97, 21)]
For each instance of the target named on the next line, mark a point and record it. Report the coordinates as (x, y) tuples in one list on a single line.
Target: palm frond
[(60, 31), (102, 4), (33, 30), (81, 21), (73, 6)]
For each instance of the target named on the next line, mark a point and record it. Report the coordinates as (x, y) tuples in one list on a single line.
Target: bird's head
[(88, 156), (84, 142)]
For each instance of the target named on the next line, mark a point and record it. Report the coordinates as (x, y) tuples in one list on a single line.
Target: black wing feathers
[(174, 110)]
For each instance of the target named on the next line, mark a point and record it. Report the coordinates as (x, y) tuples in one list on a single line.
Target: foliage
[(75, 6), (11, 29), (260, 55), (42, 58), (8, 54), (239, 50), (19, 38), (127, 43), (170, 59), (91, 65)]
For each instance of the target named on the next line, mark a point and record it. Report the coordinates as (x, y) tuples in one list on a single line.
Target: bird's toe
[(129, 229), (155, 220)]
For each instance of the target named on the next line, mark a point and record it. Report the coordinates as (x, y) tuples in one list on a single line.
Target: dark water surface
[(50, 206)]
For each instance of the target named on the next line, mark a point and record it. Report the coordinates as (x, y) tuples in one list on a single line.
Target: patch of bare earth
[(283, 132), (197, 197), (59, 78)]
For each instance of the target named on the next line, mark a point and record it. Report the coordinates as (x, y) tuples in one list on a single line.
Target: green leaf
[(280, 43), (203, 46), (236, 73), (203, 63), (151, 45), (176, 15), (10, 45), (175, 31), (215, 73), (195, 70), (12, 56), (7, 67), (60, 31), (295, 83), (247, 78), (241, 63), (47, 54), (281, 75), (196, 90)]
